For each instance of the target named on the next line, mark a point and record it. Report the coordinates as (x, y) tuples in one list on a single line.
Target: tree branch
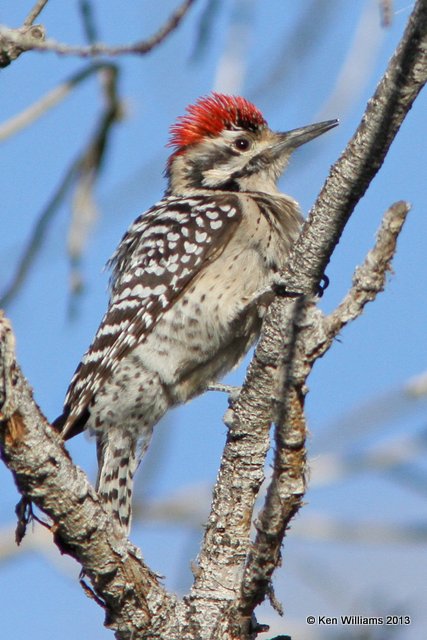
[(315, 335), (351, 175), (35, 11), (48, 101), (90, 164), (369, 279), (227, 538), (82, 172), (17, 39), (44, 473)]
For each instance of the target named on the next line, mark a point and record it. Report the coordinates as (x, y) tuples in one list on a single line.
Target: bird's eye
[(242, 144)]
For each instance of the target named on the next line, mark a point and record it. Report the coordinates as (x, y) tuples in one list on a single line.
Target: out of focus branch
[(386, 10), (82, 173), (89, 166), (38, 235), (88, 19), (18, 39), (50, 100), (35, 11)]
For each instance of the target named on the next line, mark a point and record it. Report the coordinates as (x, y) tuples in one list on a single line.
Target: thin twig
[(351, 175), (88, 19), (84, 210), (369, 279), (142, 47), (35, 11), (48, 101), (38, 235), (83, 172)]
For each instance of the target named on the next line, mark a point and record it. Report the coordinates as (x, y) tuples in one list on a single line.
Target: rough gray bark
[(233, 574)]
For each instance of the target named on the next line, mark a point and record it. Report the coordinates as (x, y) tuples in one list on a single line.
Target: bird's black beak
[(290, 140)]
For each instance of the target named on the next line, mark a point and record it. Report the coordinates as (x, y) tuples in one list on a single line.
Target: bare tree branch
[(48, 101), (17, 39), (226, 542), (35, 11), (227, 535), (81, 528), (287, 485), (82, 172), (369, 279), (13, 42), (38, 235)]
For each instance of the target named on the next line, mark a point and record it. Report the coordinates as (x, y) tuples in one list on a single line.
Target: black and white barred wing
[(157, 259)]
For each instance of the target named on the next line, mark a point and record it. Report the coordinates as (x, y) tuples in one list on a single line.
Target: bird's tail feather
[(118, 460)]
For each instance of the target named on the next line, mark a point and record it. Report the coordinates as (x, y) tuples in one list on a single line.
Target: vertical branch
[(35, 11), (351, 175), (309, 335), (90, 163), (82, 171), (287, 485), (88, 19)]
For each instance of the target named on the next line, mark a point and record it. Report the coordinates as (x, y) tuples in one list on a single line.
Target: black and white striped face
[(239, 159), (235, 160)]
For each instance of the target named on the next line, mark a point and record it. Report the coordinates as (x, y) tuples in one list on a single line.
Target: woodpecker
[(191, 281)]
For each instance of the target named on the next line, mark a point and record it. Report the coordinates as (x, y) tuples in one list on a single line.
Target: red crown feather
[(211, 115)]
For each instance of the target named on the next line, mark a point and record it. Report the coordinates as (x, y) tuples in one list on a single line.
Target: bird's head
[(223, 142)]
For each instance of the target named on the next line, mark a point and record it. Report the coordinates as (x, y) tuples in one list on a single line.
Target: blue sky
[(329, 71)]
